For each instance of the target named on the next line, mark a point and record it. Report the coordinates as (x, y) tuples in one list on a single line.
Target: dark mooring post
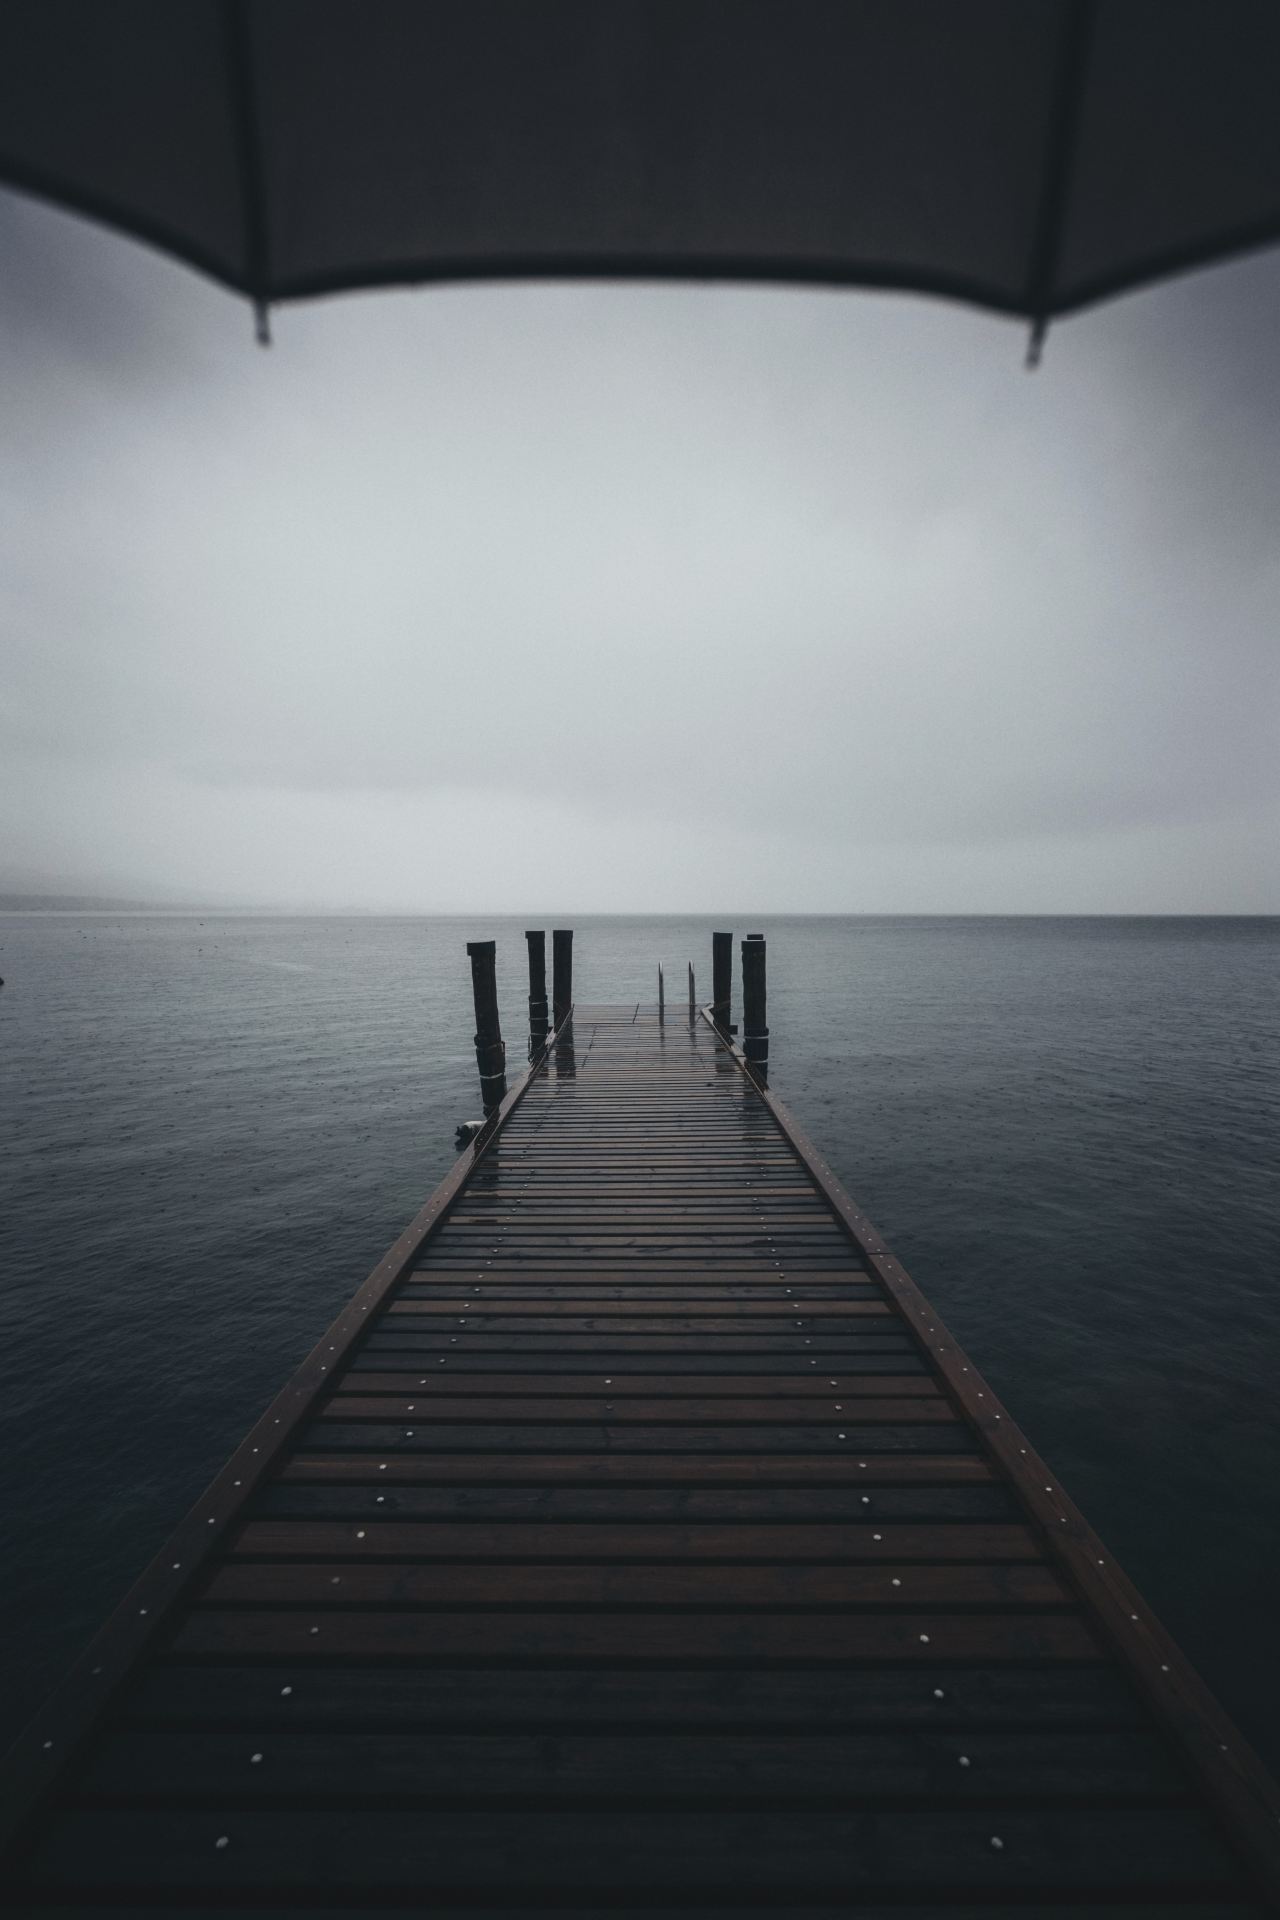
[(537, 992), (721, 979), (491, 1055), (662, 1001), (693, 997), (561, 973), (755, 1030)]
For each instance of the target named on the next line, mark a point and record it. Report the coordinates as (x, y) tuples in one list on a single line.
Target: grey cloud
[(704, 570)]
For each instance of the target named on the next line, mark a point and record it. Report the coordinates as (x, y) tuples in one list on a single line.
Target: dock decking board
[(637, 1539)]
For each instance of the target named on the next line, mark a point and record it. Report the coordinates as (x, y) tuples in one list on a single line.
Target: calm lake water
[(211, 1128)]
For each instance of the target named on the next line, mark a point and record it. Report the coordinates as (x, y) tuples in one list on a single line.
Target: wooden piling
[(755, 1030), (491, 1054), (662, 1001), (693, 997), (538, 1012), (721, 980), (561, 973)]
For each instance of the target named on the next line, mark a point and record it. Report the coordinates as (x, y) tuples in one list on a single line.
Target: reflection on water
[(564, 1060)]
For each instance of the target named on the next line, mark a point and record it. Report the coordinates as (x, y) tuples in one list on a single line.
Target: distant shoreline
[(31, 906)]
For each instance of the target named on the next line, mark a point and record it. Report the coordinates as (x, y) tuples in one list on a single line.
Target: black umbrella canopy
[(1028, 155)]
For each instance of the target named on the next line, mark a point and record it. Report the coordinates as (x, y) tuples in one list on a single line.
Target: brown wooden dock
[(638, 1540)]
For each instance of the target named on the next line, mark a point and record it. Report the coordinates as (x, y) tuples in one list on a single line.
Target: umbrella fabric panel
[(1024, 154), (123, 108), (1178, 153), (815, 137)]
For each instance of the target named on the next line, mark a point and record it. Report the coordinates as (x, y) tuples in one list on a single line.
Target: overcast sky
[(635, 598)]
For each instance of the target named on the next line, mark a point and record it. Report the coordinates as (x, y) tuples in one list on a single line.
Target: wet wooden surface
[(631, 1551)]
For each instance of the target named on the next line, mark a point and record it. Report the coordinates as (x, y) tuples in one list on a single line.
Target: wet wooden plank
[(756, 1345), (867, 1473), (1089, 1909), (925, 1696), (455, 1294), (366, 1497), (705, 1271), (901, 1586), (651, 1437), (543, 1315), (620, 1633), (520, 1217), (760, 1388), (593, 1769), (704, 1362), (608, 1239), (691, 1317), (594, 1177), (772, 1264), (477, 1540), (536, 1191), (785, 1410), (802, 1851)]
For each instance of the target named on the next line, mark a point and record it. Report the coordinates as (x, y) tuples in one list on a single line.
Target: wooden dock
[(638, 1540)]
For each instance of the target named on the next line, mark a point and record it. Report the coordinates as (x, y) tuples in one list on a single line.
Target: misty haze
[(446, 585)]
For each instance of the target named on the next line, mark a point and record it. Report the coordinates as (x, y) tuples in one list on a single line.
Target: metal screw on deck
[(755, 1031), (722, 980), (561, 973), (538, 1016), (491, 1054)]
